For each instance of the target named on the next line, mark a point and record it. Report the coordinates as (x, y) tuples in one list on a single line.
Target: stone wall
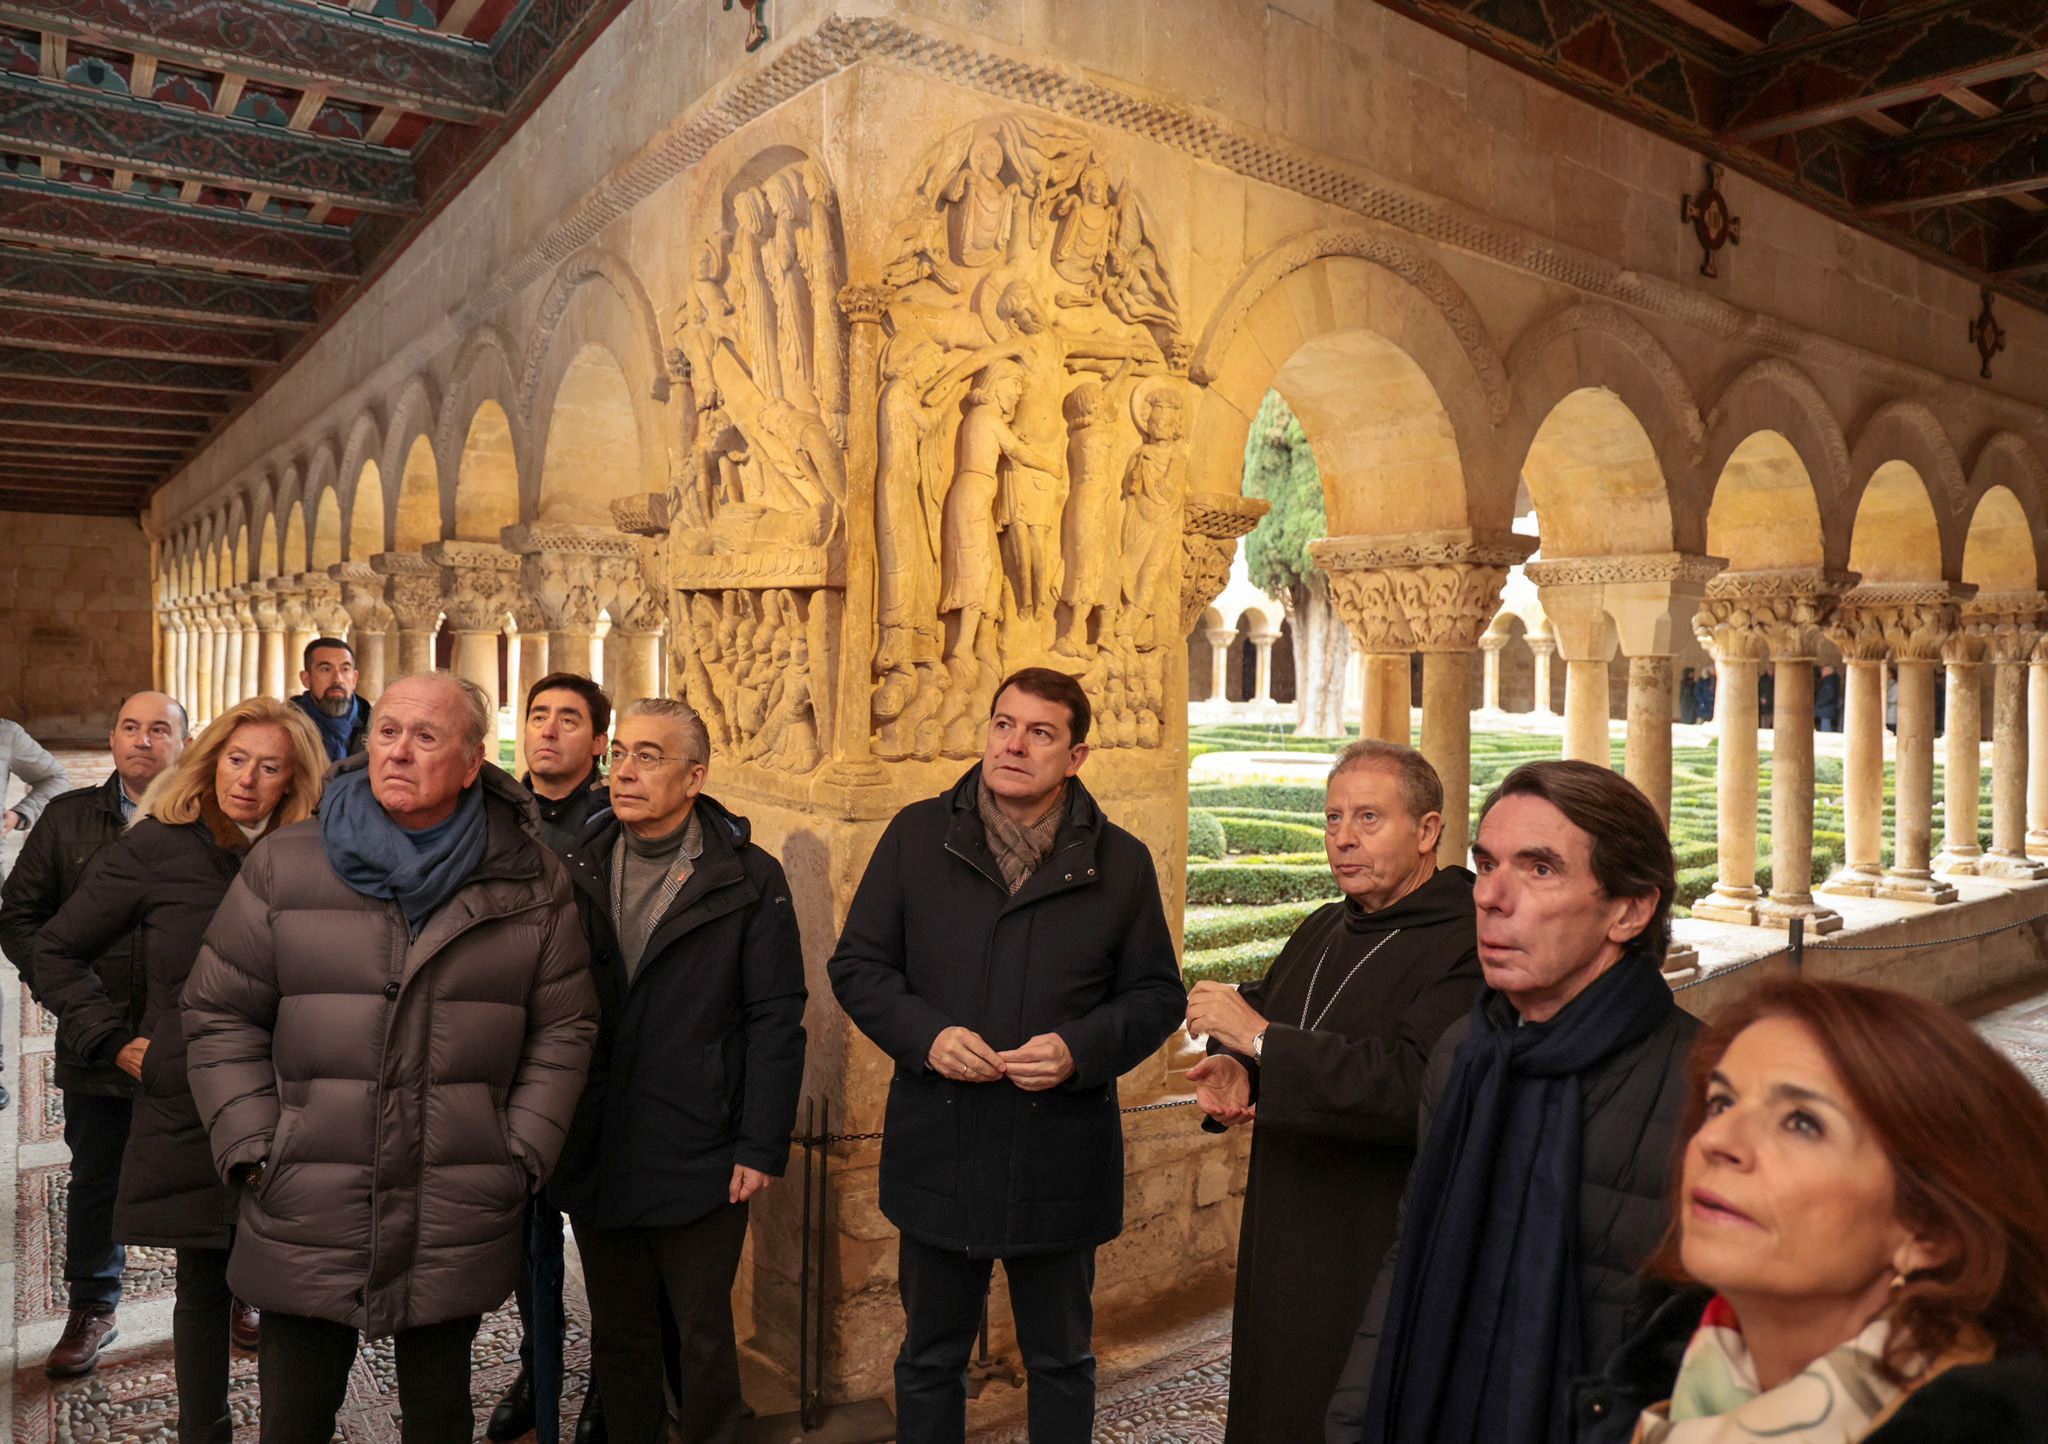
[(75, 627)]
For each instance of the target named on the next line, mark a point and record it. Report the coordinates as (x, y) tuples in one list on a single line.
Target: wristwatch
[(1259, 1047)]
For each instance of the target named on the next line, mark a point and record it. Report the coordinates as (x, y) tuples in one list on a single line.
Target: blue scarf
[(1482, 1337), (378, 858), (334, 731)]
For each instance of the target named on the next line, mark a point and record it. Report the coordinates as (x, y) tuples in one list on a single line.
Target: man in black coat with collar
[(693, 1088), (1007, 948)]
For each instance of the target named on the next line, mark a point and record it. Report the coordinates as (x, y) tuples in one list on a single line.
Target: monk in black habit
[(1324, 1057)]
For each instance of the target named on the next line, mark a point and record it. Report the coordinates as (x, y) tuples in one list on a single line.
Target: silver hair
[(1421, 789), (478, 715), (682, 715)]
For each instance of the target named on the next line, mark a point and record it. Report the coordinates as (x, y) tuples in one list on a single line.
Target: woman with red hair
[(1864, 1190)]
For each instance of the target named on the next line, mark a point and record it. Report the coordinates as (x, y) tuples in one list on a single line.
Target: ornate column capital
[(1777, 615), (639, 604), (263, 606), (2006, 624), (571, 571), (863, 302), (1211, 523), (478, 583), (647, 513), (1672, 569), (1905, 621), (362, 596), (323, 602), (412, 589), (1422, 591), (292, 613)]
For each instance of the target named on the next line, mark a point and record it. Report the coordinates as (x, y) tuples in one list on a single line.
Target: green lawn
[(1255, 866)]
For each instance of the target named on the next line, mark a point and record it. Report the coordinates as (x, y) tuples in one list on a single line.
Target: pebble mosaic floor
[(1178, 1398)]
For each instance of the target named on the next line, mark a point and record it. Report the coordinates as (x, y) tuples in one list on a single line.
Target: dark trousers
[(1052, 1304), (302, 1372), (96, 1132), (199, 1346), (627, 1272)]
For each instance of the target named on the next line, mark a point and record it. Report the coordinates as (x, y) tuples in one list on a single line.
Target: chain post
[(1796, 945)]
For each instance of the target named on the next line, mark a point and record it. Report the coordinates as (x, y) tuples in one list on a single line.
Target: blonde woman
[(256, 769)]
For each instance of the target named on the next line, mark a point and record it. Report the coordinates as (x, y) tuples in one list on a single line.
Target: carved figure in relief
[(785, 273), (1137, 288), (699, 690), (979, 221), (1093, 522), (1153, 484), (708, 322), (819, 256), (1081, 244), (788, 729), (972, 572)]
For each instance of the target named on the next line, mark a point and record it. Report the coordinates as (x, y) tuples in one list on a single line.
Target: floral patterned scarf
[(1837, 1399)]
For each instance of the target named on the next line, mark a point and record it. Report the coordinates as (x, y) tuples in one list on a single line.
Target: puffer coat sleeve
[(561, 1029), (230, 1006)]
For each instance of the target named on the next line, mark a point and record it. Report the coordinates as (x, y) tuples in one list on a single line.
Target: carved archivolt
[(1926, 446), (1634, 337), (615, 272), (1031, 439), (757, 540), (1384, 248), (1775, 376)]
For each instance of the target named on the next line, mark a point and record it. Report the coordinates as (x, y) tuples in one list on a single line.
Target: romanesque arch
[(486, 477), (1775, 395), (595, 443), (2007, 462), (1896, 536), (1764, 515), (2000, 552), (480, 427), (596, 294)]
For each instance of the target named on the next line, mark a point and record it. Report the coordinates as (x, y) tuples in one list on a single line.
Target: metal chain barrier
[(1935, 943), (1796, 948)]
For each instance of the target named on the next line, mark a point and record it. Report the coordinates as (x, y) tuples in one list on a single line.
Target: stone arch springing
[(1999, 552), (418, 521), (481, 388), (2007, 461), (594, 447), (294, 557), (1909, 431), (1775, 395), (486, 496), (324, 539)]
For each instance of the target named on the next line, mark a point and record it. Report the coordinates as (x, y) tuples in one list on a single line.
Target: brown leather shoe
[(245, 1326), (86, 1332)]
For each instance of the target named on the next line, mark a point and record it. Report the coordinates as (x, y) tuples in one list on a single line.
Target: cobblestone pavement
[(1178, 1396)]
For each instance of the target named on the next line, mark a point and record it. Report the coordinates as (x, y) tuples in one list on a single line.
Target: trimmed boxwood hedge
[(1245, 925), (1242, 963), (1233, 882), (1258, 835), (1288, 797), (1205, 835)]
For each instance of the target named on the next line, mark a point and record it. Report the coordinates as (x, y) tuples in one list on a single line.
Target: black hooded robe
[(1335, 1137)]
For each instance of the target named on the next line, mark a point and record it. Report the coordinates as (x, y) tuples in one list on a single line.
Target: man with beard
[(1327, 1052), (330, 696)]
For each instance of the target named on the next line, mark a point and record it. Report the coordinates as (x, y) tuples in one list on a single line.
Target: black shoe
[(513, 1418), (590, 1420)]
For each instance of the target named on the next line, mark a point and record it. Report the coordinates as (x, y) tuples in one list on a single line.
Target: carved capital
[(263, 607), (862, 302), (415, 601), (2007, 624), (478, 583), (362, 596), (1678, 568), (1372, 613), (292, 613), (1211, 524), (638, 604), (1413, 549), (1776, 615), (1449, 604), (648, 513), (528, 617), (1905, 621)]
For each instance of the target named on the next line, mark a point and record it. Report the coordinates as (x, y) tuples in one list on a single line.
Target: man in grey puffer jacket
[(389, 1026)]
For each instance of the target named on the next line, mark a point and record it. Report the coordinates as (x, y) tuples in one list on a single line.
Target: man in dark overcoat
[(1007, 948), (1327, 1052)]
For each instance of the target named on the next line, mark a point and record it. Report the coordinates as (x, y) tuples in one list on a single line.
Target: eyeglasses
[(645, 760)]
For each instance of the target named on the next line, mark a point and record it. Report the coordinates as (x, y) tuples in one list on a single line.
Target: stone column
[(1448, 605), (369, 617), (1586, 639), (1541, 650), (1963, 769), (231, 624), (632, 649), (252, 640), (1490, 647), (1794, 646), (2012, 623), (412, 589), (1917, 619), (217, 677), (534, 662), (1859, 631), (270, 640), (572, 572), (1433, 592), (295, 623), (178, 682), (479, 583), (1735, 652), (1262, 688), (1219, 639), (2037, 750), (1648, 754)]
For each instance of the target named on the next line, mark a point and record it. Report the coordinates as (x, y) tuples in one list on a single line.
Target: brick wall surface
[(75, 632)]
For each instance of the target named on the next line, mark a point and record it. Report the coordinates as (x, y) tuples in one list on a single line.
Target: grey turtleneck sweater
[(647, 873)]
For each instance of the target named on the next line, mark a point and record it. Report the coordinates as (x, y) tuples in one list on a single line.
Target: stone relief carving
[(1776, 615), (1616, 570), (2008, 623), (1031, 449), (754, 542), (1211, 524)]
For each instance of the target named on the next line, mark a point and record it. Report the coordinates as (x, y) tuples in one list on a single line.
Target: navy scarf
[(1482, 1336), (378, 858)]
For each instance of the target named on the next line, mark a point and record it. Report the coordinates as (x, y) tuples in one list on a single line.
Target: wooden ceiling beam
[(72, 437), (57, 451), (41, 363), (159, 292), (1873, 64), (1956, 166), (1826, 11), (111, 398), (101, 129), (1701, 17), (364, 60), (75, 219), (111, 336), (85, 418), (14, 499)]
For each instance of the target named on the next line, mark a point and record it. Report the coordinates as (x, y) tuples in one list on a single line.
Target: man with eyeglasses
[(693, 1089), (1007, 948), (149, 732)]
